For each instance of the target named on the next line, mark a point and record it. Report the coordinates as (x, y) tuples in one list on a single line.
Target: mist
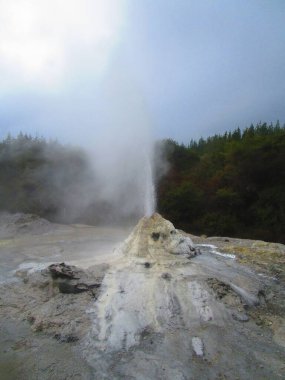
[(80, 90), (106, 76), (122, 151), (111, 124), (115, 132)]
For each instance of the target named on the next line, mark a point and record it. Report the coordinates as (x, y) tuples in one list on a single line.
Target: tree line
[(228, 185), (37, 176)]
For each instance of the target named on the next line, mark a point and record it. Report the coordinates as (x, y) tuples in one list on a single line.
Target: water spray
[(150, 197)]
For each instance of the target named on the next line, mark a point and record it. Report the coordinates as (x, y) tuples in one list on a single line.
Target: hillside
[(227, 185)]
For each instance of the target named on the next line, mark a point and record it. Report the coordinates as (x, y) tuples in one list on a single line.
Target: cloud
[(42, 41), (65, 78)]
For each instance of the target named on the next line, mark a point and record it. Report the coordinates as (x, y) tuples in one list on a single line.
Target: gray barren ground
[(158, 307)]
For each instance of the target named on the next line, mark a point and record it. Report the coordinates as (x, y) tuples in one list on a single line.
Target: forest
[(37, 176), (226, 185)]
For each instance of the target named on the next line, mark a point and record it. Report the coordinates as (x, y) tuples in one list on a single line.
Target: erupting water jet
[(150, 198)]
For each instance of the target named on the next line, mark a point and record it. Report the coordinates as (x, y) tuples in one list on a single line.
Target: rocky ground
[(153, 308)]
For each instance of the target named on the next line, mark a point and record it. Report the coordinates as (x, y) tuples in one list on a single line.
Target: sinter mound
[(151, 313), (156, 238), (162, 316)]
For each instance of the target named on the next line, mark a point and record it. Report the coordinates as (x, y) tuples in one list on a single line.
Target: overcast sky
[(179, 68)]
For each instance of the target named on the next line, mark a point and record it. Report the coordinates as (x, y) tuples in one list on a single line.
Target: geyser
[(159, 313), (155, 238), (139, 290), (150, 197)]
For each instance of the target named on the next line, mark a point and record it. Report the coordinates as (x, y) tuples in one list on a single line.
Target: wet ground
[(210, 317), (26, 242), (27, 245)]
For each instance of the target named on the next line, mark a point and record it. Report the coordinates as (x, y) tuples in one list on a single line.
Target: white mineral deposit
[(158, 306)]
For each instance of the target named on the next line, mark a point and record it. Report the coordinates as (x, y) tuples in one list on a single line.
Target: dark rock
[(71, 280), (166, 276), (73, 287), (220, 288), (66, 338), (62, 271), (155, 236), (241, 317)]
